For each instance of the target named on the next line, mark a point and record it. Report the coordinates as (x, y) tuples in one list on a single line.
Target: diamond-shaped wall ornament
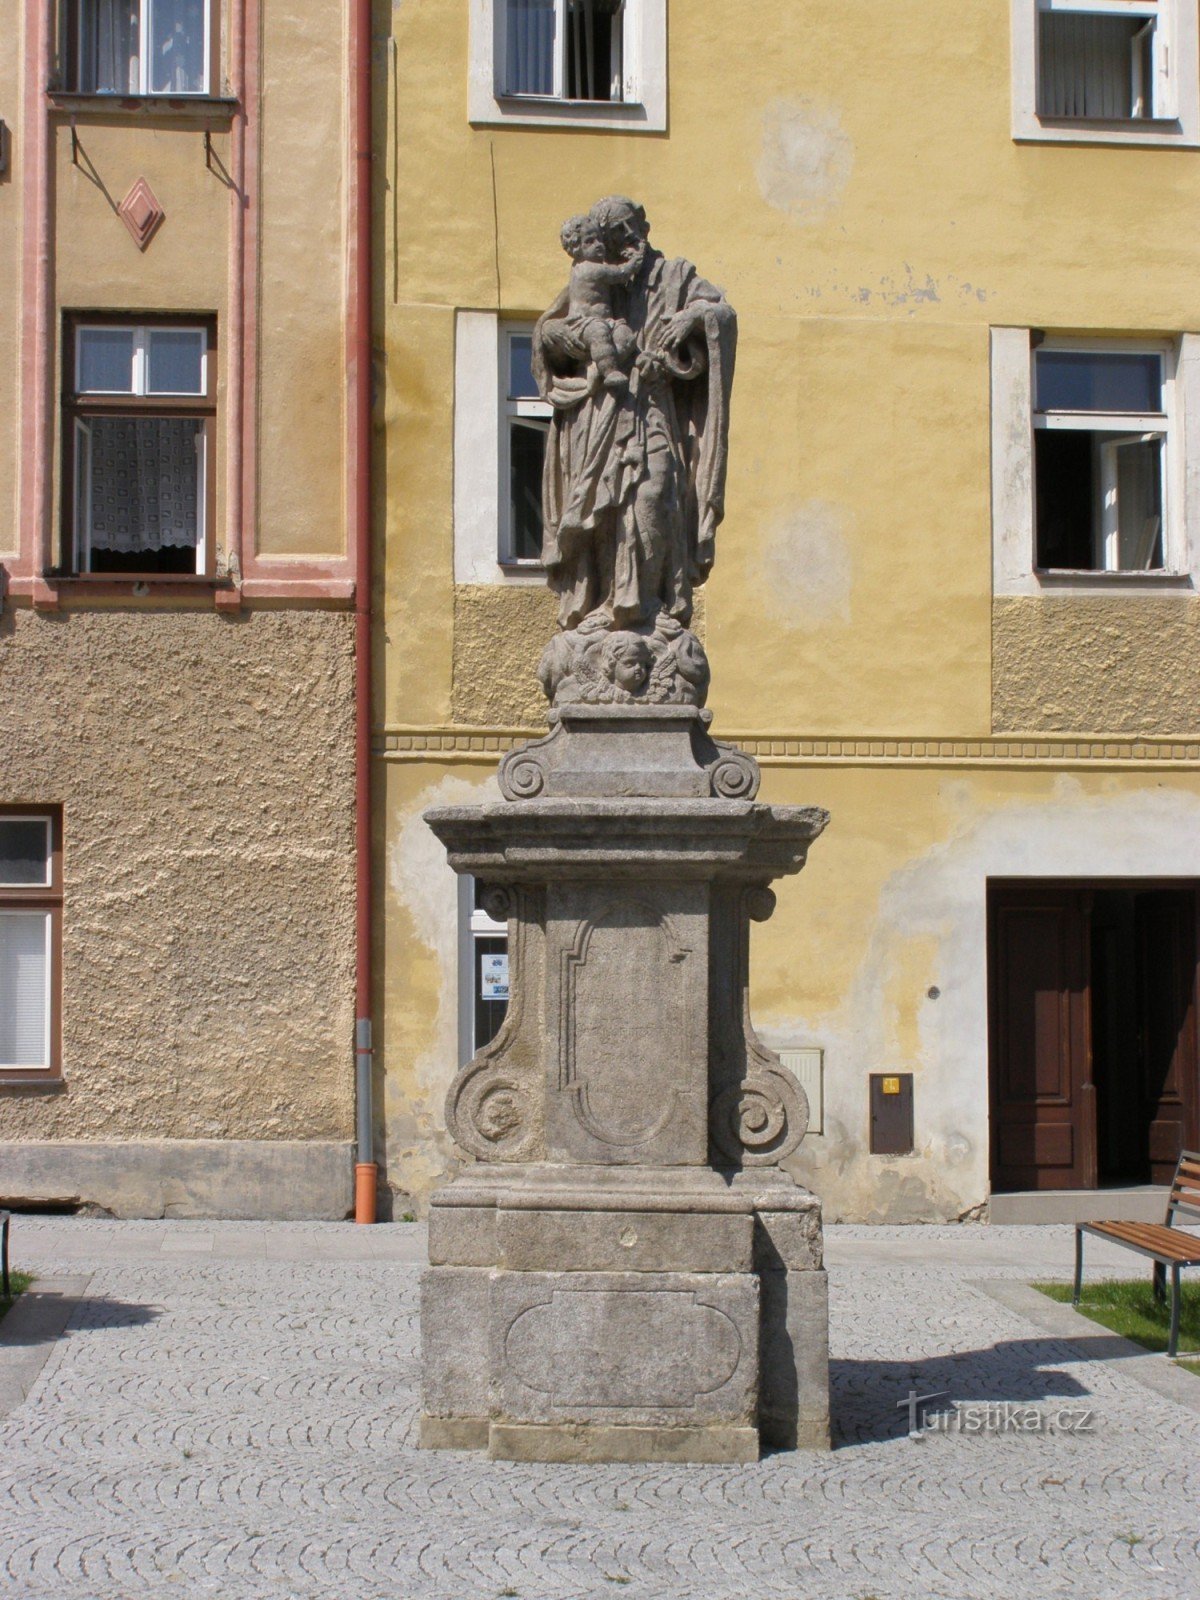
[(141, 213)]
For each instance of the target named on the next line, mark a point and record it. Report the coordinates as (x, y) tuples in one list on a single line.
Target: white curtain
[(529, 68), (24, 984), (145, 482), (1087, 64), (108, 46)]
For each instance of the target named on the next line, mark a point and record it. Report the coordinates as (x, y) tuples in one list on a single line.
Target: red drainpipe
[(366, 1171)]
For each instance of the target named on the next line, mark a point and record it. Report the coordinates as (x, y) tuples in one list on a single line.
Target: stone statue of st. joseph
[(634, 481)]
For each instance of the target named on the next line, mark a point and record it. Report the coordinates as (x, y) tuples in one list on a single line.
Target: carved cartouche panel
[(631, 967), (495, 1107)]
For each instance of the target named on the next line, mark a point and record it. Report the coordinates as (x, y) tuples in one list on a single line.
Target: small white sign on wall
[(493, 977)]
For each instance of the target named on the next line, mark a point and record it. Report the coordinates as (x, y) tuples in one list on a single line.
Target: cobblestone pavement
[(227, 1421)]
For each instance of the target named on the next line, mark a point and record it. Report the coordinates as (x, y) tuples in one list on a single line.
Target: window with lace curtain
[(597, 63), (141, 47), (139, 412), (1111, 70), (30, 940)]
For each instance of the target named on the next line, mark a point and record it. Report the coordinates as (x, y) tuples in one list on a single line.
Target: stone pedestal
[(624, 1273)]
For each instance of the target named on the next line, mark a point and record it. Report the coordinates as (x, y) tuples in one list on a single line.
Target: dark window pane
[(593, 65), (1065, 513), (105, 361), (1095, 66), (177, 47), (1091, 380), (176, 361), (527, 453), (108, 47), (1139, 505), (529, 56), (521, 385), (24, 851)]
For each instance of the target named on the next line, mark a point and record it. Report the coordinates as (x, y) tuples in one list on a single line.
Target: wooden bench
[(1159, 1240)]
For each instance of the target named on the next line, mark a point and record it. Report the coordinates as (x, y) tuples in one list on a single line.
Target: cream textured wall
[(205, 770), (1071, 662)]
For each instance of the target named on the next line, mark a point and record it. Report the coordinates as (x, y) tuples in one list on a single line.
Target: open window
[(30, 941), (141, 47), (138, 419), (595, 63), (565, 49), (1102, 438), (1112, 70)]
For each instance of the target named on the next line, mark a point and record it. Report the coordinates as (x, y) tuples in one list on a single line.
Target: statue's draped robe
[(600, 548)]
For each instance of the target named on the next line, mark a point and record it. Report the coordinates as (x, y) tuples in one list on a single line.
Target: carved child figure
[(590, 313), (626, 660)]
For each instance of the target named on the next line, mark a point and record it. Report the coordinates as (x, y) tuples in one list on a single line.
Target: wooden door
[(1043, 1124), (1165, 931)]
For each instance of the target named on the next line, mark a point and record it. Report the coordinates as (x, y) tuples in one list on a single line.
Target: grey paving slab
[(210, 1425)]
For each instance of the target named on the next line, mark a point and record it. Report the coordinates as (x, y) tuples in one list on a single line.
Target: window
[(569, 62), (1095, 445), (138, 421), (1101, 440), (483, 971), (1116, 70), (500, 429), (522, 453), (141, 47), (30, 941), (567, 49)]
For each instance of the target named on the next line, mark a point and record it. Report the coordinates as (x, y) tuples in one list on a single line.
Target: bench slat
[(1151, 1238)]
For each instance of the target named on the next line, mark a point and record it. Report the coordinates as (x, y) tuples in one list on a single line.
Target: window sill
[(1070, 578), (15, 1085), (633, 116), (132, 585), (203, 109), (517, 567), (1164, 131)]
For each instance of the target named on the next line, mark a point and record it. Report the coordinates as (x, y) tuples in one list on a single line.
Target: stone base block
[(230, 1179), (562, 1442), (453, 1433), (793, 1402), (657, 1350)]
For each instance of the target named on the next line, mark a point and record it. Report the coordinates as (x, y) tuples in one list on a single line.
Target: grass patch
[(1127, 1306), (18, 1282)]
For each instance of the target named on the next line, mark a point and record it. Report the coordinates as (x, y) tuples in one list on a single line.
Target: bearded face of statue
[(623, 224)]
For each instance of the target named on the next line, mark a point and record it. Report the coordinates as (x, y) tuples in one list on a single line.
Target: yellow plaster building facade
[(177, 577), (954, 600)]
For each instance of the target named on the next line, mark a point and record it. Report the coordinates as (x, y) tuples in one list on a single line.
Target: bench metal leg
[(1078, 1266), (1159, 1281), (1173, 1340)]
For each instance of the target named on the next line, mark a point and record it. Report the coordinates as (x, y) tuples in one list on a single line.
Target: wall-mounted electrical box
[(891, 1113), (807, 1063)]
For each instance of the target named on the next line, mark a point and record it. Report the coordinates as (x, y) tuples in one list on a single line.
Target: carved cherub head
[(583, 239), (625, 660)]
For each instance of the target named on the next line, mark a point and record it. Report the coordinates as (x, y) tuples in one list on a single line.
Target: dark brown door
[(1165, 923), (1042, 1100)]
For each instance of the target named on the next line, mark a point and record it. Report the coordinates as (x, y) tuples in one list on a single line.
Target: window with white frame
[(141, 47), (1095, 447), (139, 411), (1115, 70), (1102, 433), (30, 941), (483, 971), (500, 428), (525, 425), (588, 62)]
